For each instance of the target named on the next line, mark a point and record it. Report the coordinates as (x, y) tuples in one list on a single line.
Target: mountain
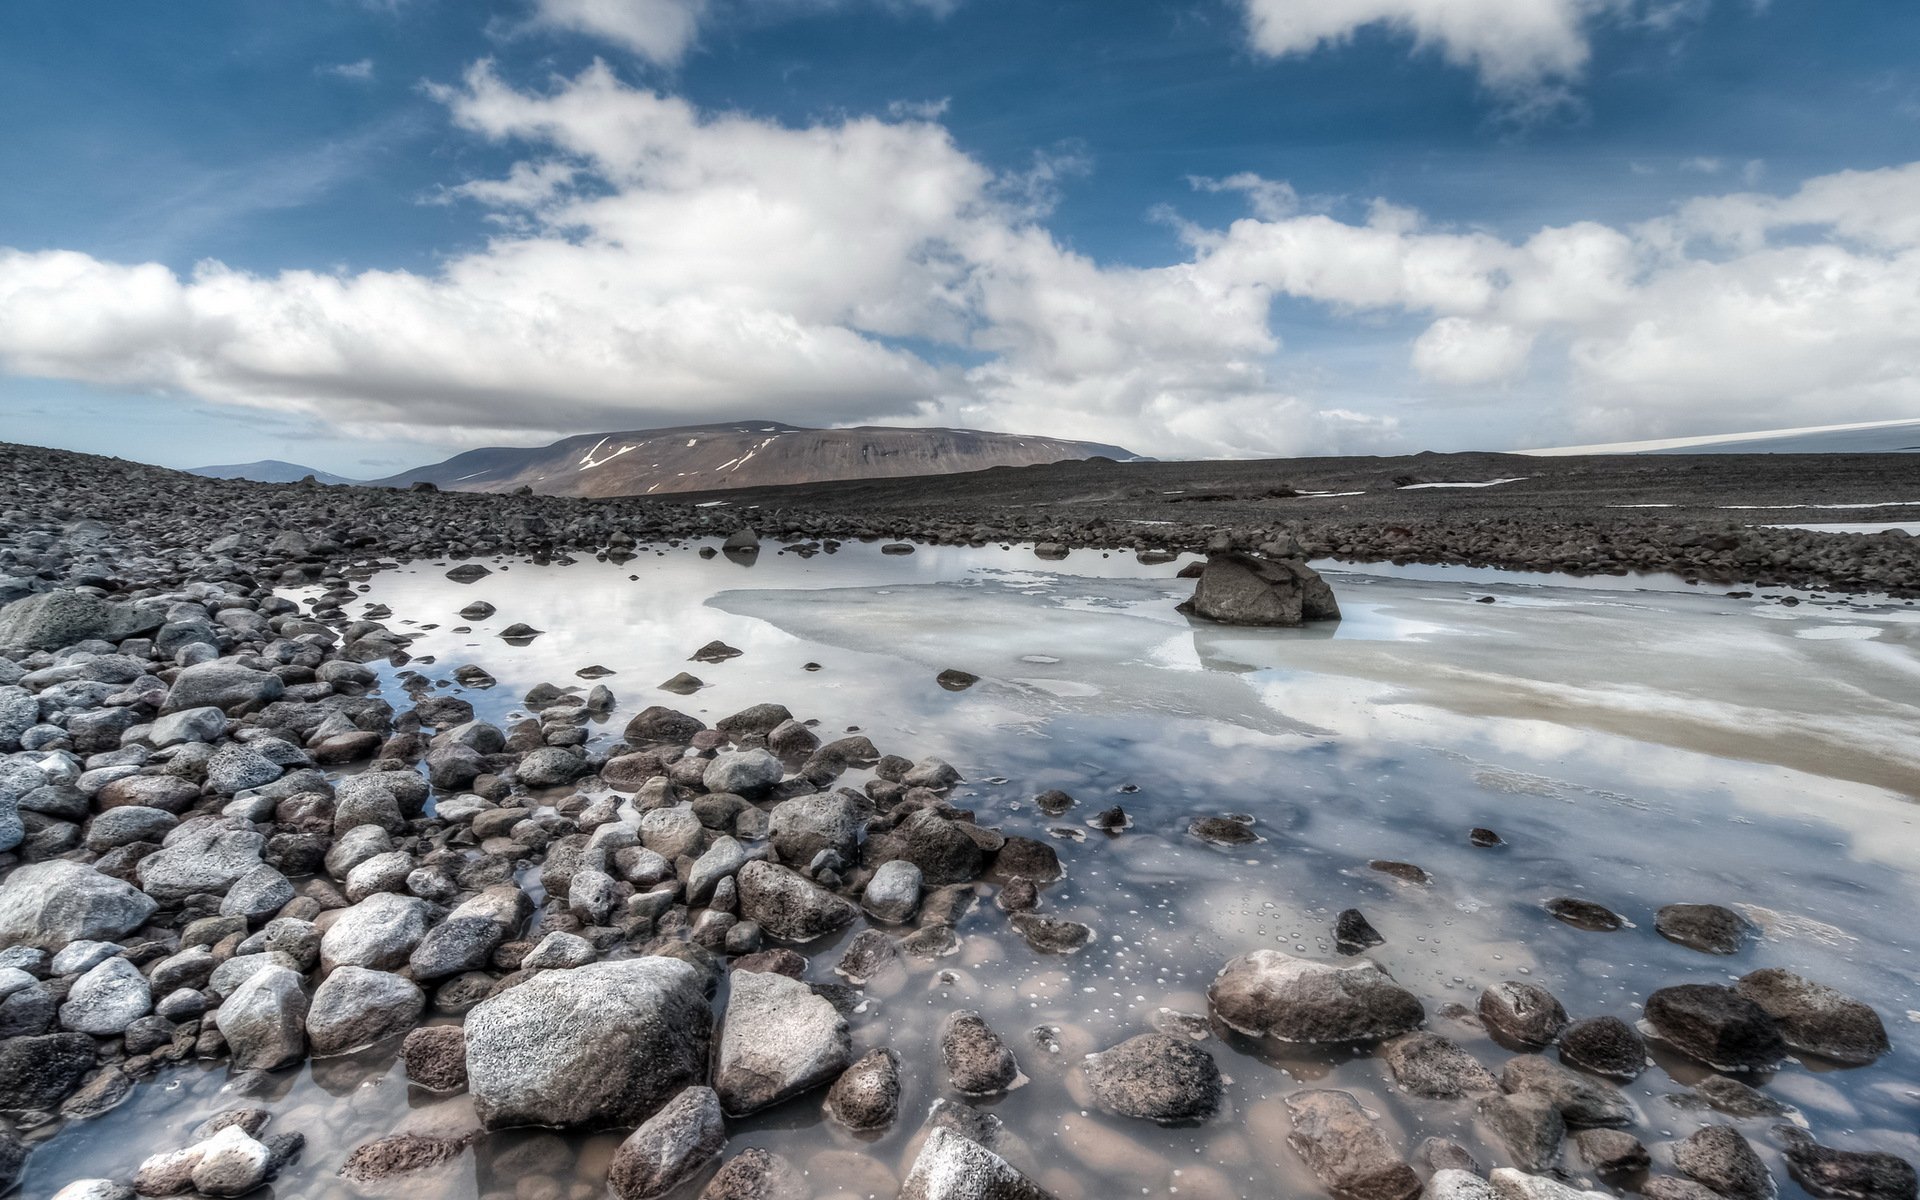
[(1864, 437), (698, 458), (268, 470)]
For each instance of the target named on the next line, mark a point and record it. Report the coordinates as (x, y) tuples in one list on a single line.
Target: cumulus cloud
[(664, 30), (657, 263)]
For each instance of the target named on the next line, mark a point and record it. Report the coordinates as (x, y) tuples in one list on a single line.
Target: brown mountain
[(701, 458)]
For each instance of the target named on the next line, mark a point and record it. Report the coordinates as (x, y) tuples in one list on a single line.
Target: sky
[(365, 234)]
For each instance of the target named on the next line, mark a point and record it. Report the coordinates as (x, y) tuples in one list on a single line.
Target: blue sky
[(1209, 227)]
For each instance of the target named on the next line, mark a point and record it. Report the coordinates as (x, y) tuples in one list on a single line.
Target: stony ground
[(133, 523), (220, 841)]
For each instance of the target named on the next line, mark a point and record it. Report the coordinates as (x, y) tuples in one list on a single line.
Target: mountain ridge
[(269, 470)]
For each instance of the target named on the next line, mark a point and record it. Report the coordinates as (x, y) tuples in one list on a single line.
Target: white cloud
[(664, 30), (656, 263), (360, 71)]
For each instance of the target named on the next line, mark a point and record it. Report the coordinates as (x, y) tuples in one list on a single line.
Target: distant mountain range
[(698, 458), (269, 470)]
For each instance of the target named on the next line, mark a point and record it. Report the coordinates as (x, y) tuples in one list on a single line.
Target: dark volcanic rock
[(1436, 1068), (867, 1094), (1353, 933), (1585, 914), (978, 1063), (1815, 1018), (1223, 831), (1845, 1174), (400, 1154), (1271, 994), (1708, 928), (1242, 589), (1717, 1026), (1604, 1045), (1156, 1077), (1522, 1015), (1720, 1158)]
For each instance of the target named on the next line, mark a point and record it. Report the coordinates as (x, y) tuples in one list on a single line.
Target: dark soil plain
[(1576, 514)]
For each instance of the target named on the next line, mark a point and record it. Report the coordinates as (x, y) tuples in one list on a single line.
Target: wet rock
[(1242, 589), (1585, 914), (356, 1007), (1816, 1019), (756, 1174), (779, 1040), (867, 955), (1717, 1026), (1521, 1014), (436, 1057), (1340, 1145), (1582, 1102), (803, 827), (1222, 831), (230, 1163), (1484, 839), (1672, 1187), (743, 772), (1436, 1068), (1736, 1099), (1353, 933), (1271, 994), (656, 726), (951, 1167), (1720, 1158), (1053, 803), (1528, 1125), (1605, 1046), (227, 686), (669, 1147), (1612, 1153), (941, 849), (1028, 859), (1708, 928), (1509, 1184), (598, 1046), (1156, 1077), (1443, 1154), (788, 906), (1845, 1174), (955, 680), (52, 904), (933, 774), (400, 1154), (893, 894), (978, 1063), (37, 1072), (1455, 1183), (264, 1020), (1051, 935), (867, 1094)]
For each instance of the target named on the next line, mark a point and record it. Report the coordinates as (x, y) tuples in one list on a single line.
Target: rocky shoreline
[(103, 522)]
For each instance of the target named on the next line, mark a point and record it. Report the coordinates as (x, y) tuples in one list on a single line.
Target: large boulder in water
[(1816, 1019), (952, 1167), (780, 1039), (594, 1047), (1271, 994), (1156, 1077), (52, 904), (1243, 589)]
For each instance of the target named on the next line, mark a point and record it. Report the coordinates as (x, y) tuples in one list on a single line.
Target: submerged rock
[(1338, 1142), (1604, 1045), (1708, 928), (978, 1063), (756, 1174), (1720, 1158), (867, 1094), (951, 1167), (1816, 1019), (1436, 1068), (1156, 1077), (1845, 1174), (1529, 1125), (1582, 1102), (1522, 1015), (1271, 994), (1353, 933), (669, 1147), (1717, 1026)]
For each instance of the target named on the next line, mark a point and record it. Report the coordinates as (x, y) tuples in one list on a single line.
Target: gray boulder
[(465, 941), (779, 1040), (378, 933), (264, 1020), (743, 772), (51, 904), (1436, 1068), (227, 686), (788, 906), (1816, 1019), (952, 1167), (58, 619), (893, 894), (1339, 1143), (107, 999), (356, 1007), (804, 826), (200, 859), (599, 1046), (1156, 1077), (669, 1147), (1242, 589)]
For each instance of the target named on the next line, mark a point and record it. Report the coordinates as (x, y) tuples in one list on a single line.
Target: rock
[(257, 895), (227, 686), (469, 573), (950, 1167), (107, 999), (1340, 1145), (978, 1063), (1612, 1153), (1455, 1183), (1509, 1184), (1241, 589), (38, 1071), (1816, 1019), (788, 906), (1605, 1046), (94, 1189), (379, 933), (669, 1147), (759, 720), (1271, 994), (953, 679), (1845, 1174), (931, 773), (400, 1154), (1028, 859), (893, 894), (1353, 933), (466, 940), (1720, 1158), (264, 1020), (1672, 1187), (657, 726), (721, 860), (1529, 1125), (1585, 914), (779, 1040), (204, 724), (867, 1094), (65, 617), (1436, 1068), (1708, 928), (356, 1007), (1582, 1102), (208, 859), (1736, 1099), (803, 827), (1156, 1077), (604, 1045), (866, 956), (1717, 1026), (941, 849), (559, 951), (1222, 831), (230, 1163), (52, 904), (756, 1174), (1522, 1015), (436, 1057), (1051, 935)]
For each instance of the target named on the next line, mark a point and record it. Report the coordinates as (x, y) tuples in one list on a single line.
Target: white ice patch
[(1910, 527), (1478, 484)]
